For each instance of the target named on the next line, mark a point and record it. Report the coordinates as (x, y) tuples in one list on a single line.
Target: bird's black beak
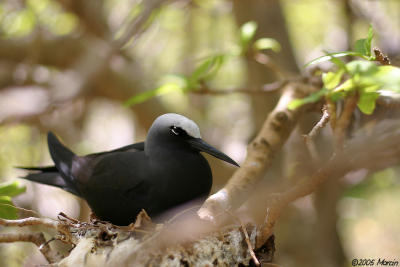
[(199, 144)]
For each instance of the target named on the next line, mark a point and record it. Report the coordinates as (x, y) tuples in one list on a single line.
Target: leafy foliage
[(208, 67), (363, 77), (7, 191), (362, 49)]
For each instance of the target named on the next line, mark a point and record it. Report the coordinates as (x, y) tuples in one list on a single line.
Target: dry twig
[(251, 250), (308, 139)]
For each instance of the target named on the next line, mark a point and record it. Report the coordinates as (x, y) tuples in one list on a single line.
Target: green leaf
[(11, 189), (389, 77), (333, 55), (206, 69), (312, 98), (366, 102), (7, 209), (364, 68), (341, 65), (176, 83), (368, 43), (247, 31), (361, 47), (348, 85), (267, 43), (332, 79), (336, 95)]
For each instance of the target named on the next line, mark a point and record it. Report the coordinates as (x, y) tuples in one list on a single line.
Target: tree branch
[(308, 139), (382, 151), (274, 133), (36, 238)]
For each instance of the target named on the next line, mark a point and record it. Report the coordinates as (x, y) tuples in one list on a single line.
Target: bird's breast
[(181, 177)]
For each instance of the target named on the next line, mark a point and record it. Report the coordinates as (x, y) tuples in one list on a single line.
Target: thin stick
[(247, 238), (309, 138), (30, 221)]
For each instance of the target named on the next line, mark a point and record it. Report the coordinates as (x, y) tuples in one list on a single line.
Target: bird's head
[(176, 131)]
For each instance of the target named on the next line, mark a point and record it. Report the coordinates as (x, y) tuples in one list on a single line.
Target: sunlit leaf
[(348, 85), (361, 67), (361, 47), (368, 43), (332, 79), (381, 77), (339, 63), (332, 55), (7, 209), (312, 98), (389, 76), (177, 83), (11, 189), (267, 43), (336, 95), (248, 30), (366, 102), (205, 70)]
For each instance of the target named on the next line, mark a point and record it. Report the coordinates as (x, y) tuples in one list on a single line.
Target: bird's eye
[(178, 131)]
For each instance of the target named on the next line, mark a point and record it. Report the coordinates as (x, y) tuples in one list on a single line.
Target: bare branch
[(382, 151), (30, 221), (308, 139), (36, 238), (275, 131)]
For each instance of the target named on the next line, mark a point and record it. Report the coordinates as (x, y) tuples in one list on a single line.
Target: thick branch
[(381, 152), (274, 133)]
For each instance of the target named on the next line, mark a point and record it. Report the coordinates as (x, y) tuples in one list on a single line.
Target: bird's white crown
[(182, 122)]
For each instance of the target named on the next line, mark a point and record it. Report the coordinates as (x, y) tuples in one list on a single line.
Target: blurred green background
[(62, 69)]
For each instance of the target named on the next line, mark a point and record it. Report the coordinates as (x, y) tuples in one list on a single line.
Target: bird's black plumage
[(165, 171)]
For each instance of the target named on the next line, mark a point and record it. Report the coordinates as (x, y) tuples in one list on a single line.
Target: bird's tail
[(61, 155), (61, 175), (49, 178)]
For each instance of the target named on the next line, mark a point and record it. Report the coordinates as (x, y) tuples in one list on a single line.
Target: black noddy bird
[(156, 175)]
